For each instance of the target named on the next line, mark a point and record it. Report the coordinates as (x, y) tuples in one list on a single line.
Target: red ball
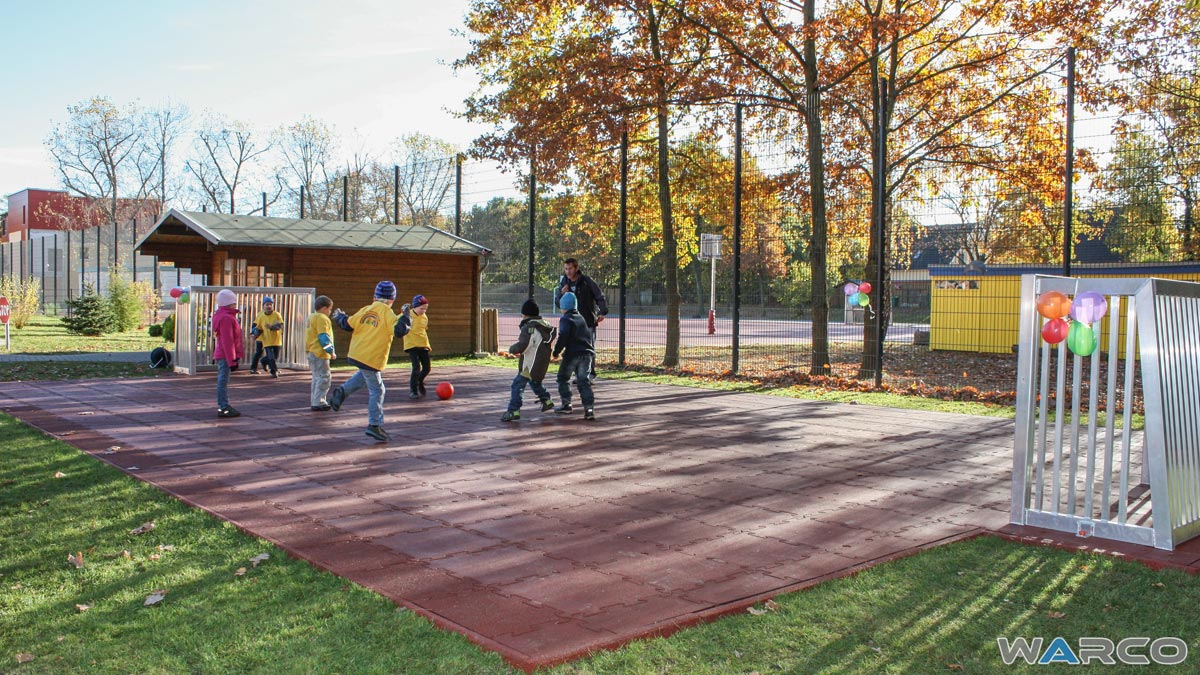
[(445, 390)]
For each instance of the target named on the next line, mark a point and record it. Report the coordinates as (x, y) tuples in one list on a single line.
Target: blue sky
[(374, 69)]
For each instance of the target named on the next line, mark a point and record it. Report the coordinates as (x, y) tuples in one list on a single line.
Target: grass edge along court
[(941, 610)]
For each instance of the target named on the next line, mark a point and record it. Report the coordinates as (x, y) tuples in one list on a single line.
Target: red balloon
[(864, 287), (176, 292), (445, 390), (1055, 331)]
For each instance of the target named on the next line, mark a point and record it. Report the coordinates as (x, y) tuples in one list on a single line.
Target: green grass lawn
[(27, 371), (937, 612), (46, 335)]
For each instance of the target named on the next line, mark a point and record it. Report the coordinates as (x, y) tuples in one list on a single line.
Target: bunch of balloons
[(858, 294), (183, 295), (1086, 309)]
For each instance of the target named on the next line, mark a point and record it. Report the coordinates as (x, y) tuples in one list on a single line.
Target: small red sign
[(3, 310)]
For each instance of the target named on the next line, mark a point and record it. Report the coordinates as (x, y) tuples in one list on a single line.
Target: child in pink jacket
[(228, 349)]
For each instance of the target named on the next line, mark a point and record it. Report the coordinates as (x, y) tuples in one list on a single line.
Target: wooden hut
[(343, 260)]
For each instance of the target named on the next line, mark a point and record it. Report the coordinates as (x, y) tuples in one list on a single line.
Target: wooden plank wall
[(349, 278)]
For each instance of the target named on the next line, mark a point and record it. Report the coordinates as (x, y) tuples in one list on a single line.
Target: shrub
[(91, 314), (24, 297), (168, 329), (155, 330), (151, 301), (126, 306)]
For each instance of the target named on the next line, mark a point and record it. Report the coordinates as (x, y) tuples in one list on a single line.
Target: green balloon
[(864, 299), (1081, 339)]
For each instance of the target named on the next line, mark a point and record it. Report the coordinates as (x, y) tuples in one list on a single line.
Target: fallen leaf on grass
[(82, 607), (154, 598), (771, 605), (154, 556), (1055, 615), (241, 571), (1159, 585), (166, 547), (24, 657), (954, 666), (126, 554), (76, 559), (59, 474), (259, 558), (143, 528)]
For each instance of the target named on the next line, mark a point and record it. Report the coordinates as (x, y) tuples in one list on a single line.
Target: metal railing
[(193, 325), (1072, 468)]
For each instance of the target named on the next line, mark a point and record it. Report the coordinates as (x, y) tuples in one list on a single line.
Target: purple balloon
[(850, 288), (1089, 307)]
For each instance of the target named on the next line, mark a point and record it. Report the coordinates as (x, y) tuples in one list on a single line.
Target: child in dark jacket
[(533, 346), (575, 344), (228, 350)]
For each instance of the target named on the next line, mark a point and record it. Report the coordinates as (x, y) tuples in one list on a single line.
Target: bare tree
[(163, 127), (96, 153), (426, 176), (226, 153), (305, 150)]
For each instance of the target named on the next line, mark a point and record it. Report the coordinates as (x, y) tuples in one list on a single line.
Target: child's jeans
[(373, 381), (222, 384), (320, 379), (518, 387), (270, 356), (579, 365), (420, 368), (258, 354)]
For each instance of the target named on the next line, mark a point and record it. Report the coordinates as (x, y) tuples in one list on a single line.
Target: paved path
[(104, 357), (553, 537)]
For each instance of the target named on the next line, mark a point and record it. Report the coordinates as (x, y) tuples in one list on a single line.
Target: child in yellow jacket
[(318, 340), (416, 343), (374, 328), (268, 334)]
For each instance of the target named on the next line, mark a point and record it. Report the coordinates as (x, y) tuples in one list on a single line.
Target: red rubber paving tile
[(544, 541)]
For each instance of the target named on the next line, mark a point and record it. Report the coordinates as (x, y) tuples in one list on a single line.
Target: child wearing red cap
[(416, 343)]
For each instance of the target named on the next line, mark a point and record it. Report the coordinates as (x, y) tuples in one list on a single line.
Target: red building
[(32, 210)]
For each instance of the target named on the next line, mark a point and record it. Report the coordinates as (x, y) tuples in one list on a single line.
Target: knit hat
[(568, 301), (268, 300), (226, 297), (385, 290), (419, 300), (530, 308)]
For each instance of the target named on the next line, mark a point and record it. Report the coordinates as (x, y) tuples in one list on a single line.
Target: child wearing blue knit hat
[(374, 328), (575, 344)]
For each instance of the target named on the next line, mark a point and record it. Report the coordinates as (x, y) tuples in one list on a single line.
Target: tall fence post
[(301, 202), (264, 195), (133, 250), (395, 194), (458, 163), (345, 198), (624, 246), (42, 308), (532, 213), (881, 308), (737, 238), (1069, 196), (99, 262)]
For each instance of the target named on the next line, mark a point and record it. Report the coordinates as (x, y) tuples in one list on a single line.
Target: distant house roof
[(223, 229)]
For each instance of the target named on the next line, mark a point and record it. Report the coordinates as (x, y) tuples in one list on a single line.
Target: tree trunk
[(816, 177), (670, 247)]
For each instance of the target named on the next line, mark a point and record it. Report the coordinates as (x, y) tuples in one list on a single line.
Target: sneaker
[(275, 374), (589, 414), (321, 408), (378, 433), (254, 371), (228, 411), (547, 405), (511, 416), (413, 394), (336, 398), (421, 388), (564, 409)]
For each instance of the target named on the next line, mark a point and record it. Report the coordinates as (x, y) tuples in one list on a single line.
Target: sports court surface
[(546, 539)]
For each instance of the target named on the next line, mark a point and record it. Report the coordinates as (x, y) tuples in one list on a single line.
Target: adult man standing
[(590, 299)]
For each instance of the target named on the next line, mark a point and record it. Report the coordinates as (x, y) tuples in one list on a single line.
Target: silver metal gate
[(193, 321), (1092, 473)]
